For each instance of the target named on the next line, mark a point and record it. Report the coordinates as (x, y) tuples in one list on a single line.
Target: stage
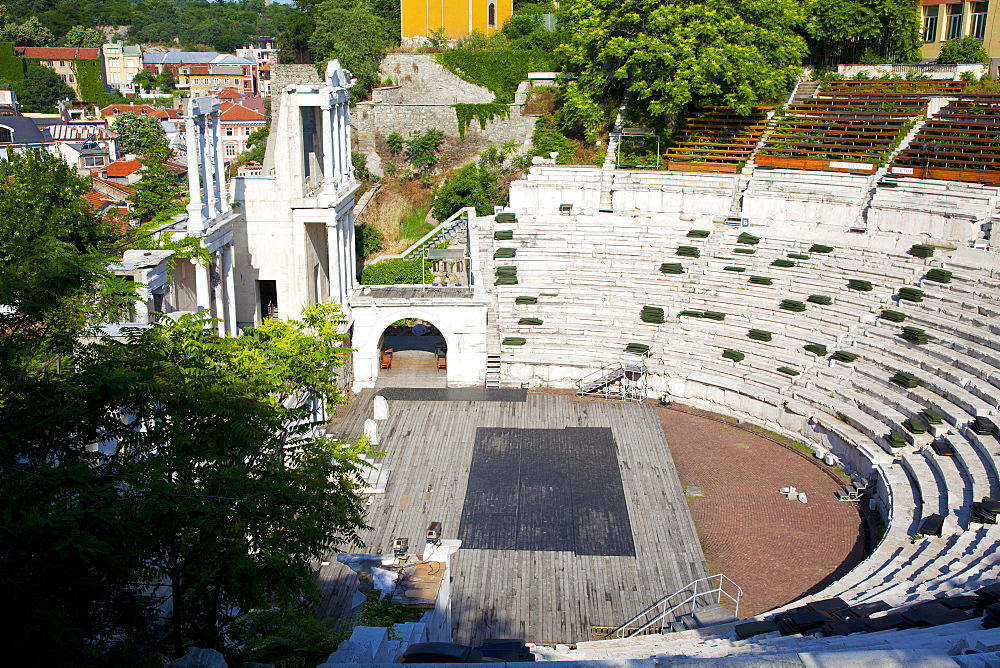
[(570, 513)]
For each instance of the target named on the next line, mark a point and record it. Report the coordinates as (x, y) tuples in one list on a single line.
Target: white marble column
[(203, 286), (222, 198), (341, 262), (194, 209), (332, 255), (338, 155), (346, 136), (328, 145), (352, 273), (228, 306), (208, 168)]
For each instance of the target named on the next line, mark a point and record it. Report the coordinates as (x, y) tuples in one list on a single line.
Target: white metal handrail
[(667, 605)]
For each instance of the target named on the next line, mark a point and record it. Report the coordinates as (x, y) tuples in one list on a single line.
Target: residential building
[(200, 72), (18, 133), (109, 112), (264, 80), (61, 60), (121, 63), (88, 147), (236, 124), (942, 20), (454, 19), (260, 49)]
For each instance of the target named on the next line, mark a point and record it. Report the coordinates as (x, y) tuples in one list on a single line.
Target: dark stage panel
[(453, 394), (554, 490)]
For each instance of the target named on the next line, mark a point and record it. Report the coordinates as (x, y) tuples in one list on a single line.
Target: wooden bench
[(387, 358)]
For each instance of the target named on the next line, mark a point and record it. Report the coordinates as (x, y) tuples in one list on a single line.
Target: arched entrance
[(412, 353), (461, 327)]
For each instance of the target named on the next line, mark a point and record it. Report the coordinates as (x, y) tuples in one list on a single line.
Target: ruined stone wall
[(420, 79), (370, 120)]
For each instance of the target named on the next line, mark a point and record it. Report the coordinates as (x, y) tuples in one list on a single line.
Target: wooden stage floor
[(540, 596)]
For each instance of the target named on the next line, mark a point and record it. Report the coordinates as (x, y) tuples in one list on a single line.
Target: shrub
[(472, 185), (964, 50), (368, 239), (396, 142), (397, 271), (500, 70)]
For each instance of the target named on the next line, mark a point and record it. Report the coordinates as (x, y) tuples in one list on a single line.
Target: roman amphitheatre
[(775, 361)]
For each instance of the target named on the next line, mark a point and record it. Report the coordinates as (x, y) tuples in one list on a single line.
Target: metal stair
[(492, 372), (625, 381)]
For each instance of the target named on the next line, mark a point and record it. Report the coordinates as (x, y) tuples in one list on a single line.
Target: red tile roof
[(141, 109), (266, 67), (123, 167), (237, 112), (57, 53), (111, 188), (230, 94)]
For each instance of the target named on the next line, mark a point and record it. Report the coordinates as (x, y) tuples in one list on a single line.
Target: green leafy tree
[(40, 89), (166, 80), (29, 33), (963, 50), (157, 191), (396, 142), (737, 53), (354, 34), (862, 30), (85, 38), (144, 78), (284, 635), (137, 134), (256, 145), (422, 149), (472, 185)]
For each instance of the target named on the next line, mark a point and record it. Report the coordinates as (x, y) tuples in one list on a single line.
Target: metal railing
[(657, 613)]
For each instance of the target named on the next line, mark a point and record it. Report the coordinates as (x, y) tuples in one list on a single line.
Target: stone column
[(229, 281), (346, 136), (338, 156), (352, 274), (342, 261), (194, 209), (142, 305), (220, 160), (207, 168), (328, 145), (203, 286), (332, 259)]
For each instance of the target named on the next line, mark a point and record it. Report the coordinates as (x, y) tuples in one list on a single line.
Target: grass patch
[(415, 224)]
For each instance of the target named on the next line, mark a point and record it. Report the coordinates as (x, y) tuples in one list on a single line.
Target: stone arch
[(463, 328)]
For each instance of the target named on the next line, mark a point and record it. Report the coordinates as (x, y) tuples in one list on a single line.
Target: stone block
[(381, 408), (371, 432)]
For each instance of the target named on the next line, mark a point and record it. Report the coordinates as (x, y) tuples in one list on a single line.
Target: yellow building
[(458, 18), (942, 20)]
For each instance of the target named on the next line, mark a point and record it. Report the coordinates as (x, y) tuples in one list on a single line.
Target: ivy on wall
[(500, 70), (482, 112)]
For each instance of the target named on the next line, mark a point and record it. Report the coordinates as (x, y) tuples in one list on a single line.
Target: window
[(930, 23), (954, 21), (93, 161), (6, 136), (114, 77), (247, 131), (216, 81), (227, 81), (63, 77), (62, 63), (130, 63), (116, 111), (113, 62), (229, 132), (977, 27), (491, 15), (72, 79), (230, 150)]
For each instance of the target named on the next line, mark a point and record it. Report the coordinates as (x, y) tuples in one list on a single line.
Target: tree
[(157, 190), (85, 38), (169, 455), (144, 78), (40, 89), (855, 30), (422, 149), (963, 50), (166, 80), (256, 145), (356, 36), (472, 185), (137, 134), (737, 53), (29, 33)]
